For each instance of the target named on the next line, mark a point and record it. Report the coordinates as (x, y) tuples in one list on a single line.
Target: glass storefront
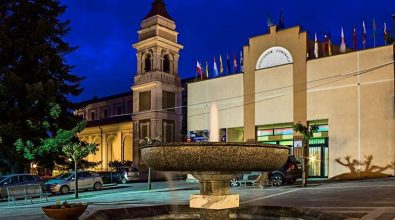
[(318, 146)]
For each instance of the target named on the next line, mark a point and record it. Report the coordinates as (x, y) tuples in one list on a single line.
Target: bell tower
[(157, 87)]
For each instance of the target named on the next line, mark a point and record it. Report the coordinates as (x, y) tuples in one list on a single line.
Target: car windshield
[(65, 176), (2, 179)]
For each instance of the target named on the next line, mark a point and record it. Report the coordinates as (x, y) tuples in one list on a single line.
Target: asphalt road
[(369, 199)]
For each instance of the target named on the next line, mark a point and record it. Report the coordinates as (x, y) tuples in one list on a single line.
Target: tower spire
[(158, 8)]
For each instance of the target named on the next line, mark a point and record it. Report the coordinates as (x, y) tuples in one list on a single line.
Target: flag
[(374, 33), (315, 46), (386, 34), (363, 34), (241, 62), (228, 63), (234, 63), (281, 24), (206, 70), (329, 44), (199, 69), (216, 74), (354, 39), (325, 45), (221, 66), (269, 23), (342, 44)]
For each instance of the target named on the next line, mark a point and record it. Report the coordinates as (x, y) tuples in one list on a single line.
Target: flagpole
[(374, 33)]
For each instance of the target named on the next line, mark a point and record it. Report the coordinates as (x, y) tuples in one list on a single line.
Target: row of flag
[(328, 40), (235, 67)]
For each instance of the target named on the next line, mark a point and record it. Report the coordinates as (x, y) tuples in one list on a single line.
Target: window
[(13, 180), (27, 178), (87, 174), (168, 131), (166, 64), (147, 63), (119, 110), (105, 113), (145, 101), (92, 115), (169, 101), (144, 130)]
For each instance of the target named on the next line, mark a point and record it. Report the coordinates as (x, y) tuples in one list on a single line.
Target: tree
[(35, 80), (78, 151), (65, 142), (307, 133)]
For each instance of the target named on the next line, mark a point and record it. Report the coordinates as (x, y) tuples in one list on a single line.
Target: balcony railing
[(157, 76)]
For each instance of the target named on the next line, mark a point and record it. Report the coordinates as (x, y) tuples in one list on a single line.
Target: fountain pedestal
[(214, 191)]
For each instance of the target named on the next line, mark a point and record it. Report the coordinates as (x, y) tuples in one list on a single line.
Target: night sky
[(104, 31)]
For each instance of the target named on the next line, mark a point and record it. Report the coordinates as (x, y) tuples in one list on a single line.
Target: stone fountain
[(214, 164)]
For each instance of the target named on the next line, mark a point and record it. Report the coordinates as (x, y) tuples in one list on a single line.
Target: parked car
[(112, 177), (65, 183), (17, 179), (247, 178), (128, 173), (288, 173)]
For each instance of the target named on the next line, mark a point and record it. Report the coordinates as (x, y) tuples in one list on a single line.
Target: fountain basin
[(214, 164), (214, 156)]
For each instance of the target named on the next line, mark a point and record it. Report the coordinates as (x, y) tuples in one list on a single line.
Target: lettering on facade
[(274, 56)]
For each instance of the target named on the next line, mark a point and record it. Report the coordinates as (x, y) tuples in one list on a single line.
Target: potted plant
[(65, 210)]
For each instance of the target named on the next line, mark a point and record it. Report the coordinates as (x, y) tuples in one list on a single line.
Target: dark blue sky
[(104, 31)]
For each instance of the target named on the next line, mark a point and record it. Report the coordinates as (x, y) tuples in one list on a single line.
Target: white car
[(66, 182)]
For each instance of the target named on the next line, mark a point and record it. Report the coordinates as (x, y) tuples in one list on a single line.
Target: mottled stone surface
[(184, 212), (214, 156), (214, 202)]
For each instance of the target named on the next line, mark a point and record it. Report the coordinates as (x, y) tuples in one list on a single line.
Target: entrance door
[(319, 159)]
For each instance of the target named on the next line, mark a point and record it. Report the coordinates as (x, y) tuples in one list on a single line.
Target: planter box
[(67, 213)]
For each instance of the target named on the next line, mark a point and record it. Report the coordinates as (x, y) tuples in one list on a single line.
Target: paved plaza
[(368, 199)]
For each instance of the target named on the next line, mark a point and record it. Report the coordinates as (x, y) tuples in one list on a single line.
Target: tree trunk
[(76, 178), (305, 171)]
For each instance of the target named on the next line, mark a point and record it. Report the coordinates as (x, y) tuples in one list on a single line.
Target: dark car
[(17, 179), (112, 177), (288, 173)]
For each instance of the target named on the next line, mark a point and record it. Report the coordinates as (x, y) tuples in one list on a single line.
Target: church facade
[(117, 123)]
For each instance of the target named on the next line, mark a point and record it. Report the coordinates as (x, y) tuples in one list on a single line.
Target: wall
[(274, 95), (227, 92), (360, 109), (118, 135)]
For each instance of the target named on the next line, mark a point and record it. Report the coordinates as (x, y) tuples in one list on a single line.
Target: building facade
[(157, 86), (117, 123), (349, 95), (110, 127)]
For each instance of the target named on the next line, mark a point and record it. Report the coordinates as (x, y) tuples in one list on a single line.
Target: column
[(175, 63), (138, 55), (157, 59)]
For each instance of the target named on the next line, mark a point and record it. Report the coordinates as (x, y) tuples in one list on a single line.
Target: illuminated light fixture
[(312, 159)]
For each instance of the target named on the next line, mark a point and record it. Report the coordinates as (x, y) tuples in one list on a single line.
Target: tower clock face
[(274, 56)]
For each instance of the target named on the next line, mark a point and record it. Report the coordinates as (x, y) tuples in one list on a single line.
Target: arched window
[(147, 63), (166, 64)]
